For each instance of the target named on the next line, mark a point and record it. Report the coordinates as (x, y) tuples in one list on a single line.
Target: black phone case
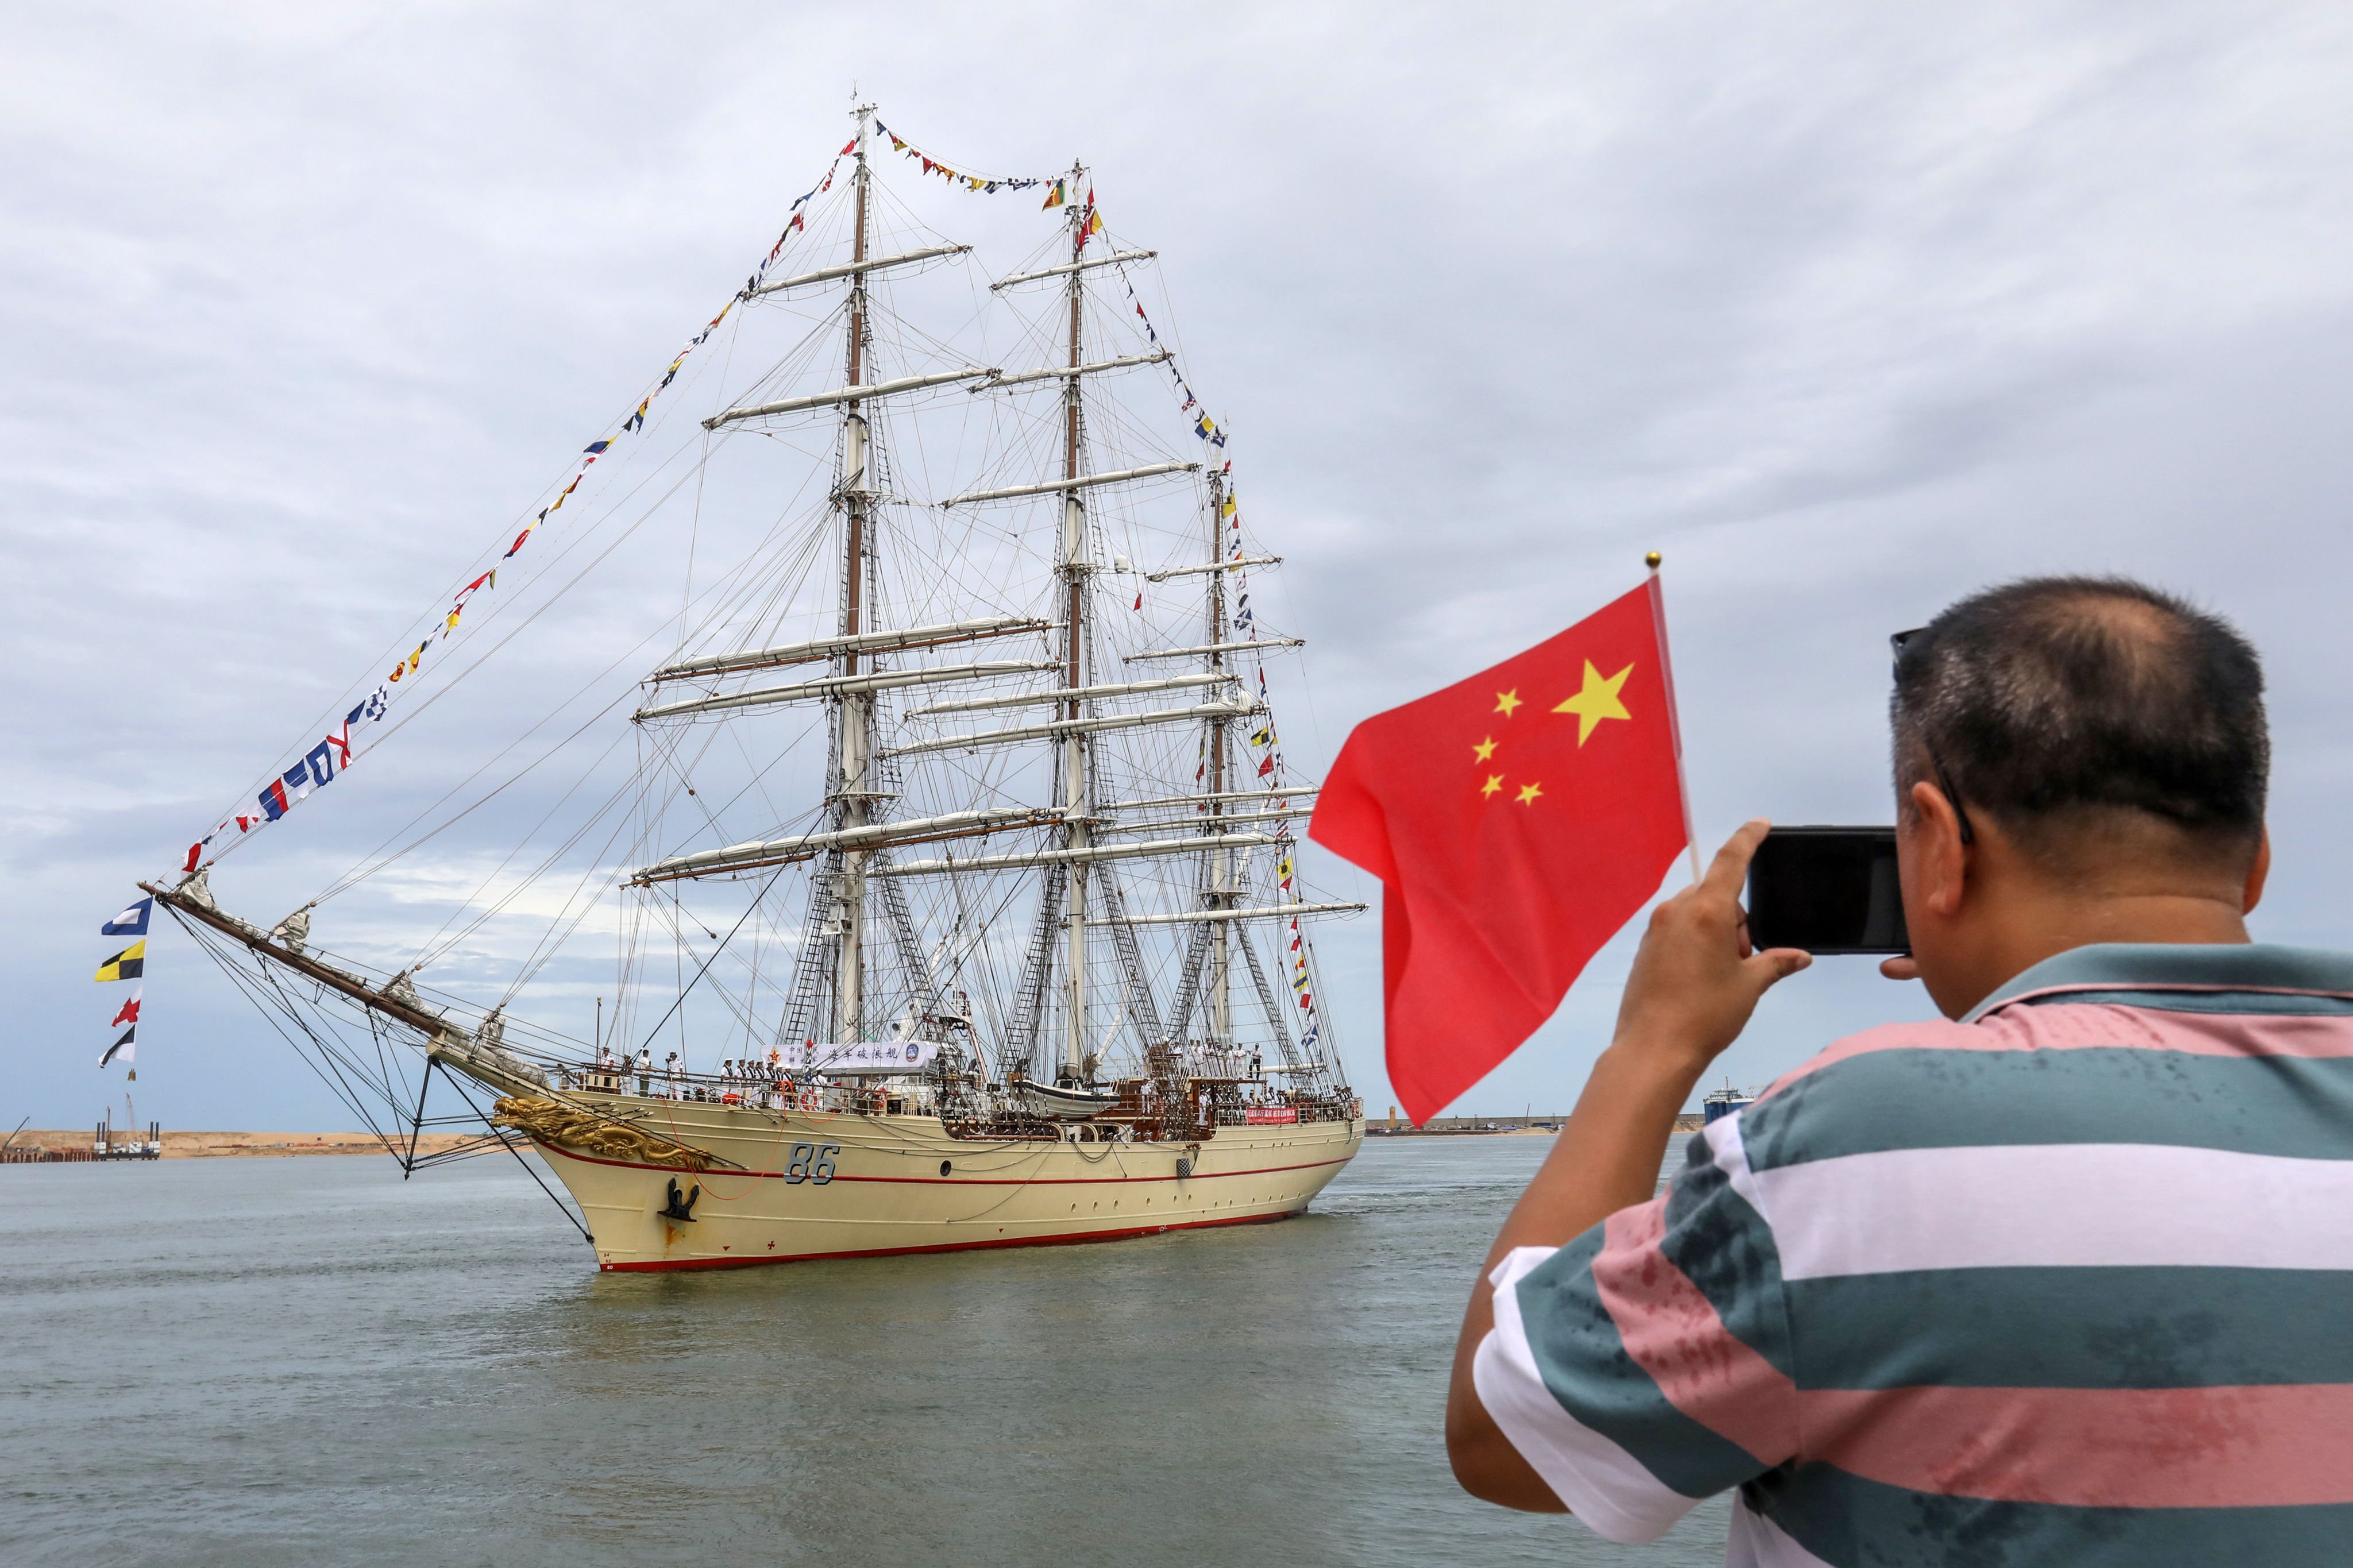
[(1827, 890)]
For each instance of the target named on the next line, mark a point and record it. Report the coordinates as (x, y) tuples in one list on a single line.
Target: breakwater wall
[(47, 1147), (1446, 1126)]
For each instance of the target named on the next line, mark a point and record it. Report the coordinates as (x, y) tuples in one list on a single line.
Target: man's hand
[(1695, 980)]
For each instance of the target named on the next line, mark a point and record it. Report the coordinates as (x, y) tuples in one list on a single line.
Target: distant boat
[(1722, 1102), (107, 1143)]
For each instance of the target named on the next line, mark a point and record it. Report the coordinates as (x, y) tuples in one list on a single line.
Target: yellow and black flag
[(128, 964)]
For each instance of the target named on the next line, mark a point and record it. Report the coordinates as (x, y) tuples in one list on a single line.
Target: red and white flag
[(1516, 820)]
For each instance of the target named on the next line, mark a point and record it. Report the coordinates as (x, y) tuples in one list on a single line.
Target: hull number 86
[(812, 1163)]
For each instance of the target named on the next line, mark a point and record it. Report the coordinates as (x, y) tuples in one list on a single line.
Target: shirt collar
[(2177, 966)]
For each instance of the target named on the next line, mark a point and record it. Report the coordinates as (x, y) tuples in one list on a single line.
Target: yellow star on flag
[(1528, 794), (1596, 701), (1508, 700), (1494, 782), (1484, 749)]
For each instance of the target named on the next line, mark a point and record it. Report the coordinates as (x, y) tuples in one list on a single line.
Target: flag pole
[(1674, 723)]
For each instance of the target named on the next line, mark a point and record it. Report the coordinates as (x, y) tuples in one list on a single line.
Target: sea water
[(310, 1361)]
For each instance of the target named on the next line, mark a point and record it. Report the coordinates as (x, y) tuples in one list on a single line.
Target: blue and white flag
[(131, 921)]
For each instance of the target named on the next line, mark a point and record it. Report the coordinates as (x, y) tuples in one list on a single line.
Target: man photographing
[(2064, 1278)]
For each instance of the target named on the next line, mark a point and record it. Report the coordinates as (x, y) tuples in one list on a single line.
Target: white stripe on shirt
[(1755, 1541), (1727, 1144), (1600, 1482), (2059, 1206)]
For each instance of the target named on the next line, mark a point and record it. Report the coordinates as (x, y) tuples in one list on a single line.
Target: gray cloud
[(1847, 310)]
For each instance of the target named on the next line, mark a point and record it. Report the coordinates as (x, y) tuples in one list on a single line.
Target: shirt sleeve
[(1645, 1365)]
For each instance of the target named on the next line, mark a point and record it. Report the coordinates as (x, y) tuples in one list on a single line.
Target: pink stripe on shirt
[(2264, 1446), (1672, 1332), (2084, 1026)]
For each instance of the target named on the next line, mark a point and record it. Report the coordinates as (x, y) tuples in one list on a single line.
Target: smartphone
[(1827, 889)]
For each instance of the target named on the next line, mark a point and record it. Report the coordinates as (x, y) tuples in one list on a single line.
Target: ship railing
[(1279, 1109), (782, 1091), (1097, 1131), (1136, 1116)]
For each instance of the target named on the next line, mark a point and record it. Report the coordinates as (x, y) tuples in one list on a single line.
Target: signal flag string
[(323, 762)]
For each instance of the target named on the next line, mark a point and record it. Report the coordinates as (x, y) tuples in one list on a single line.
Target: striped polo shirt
[(2069, 1281)]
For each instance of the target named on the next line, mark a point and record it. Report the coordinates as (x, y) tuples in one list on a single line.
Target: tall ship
[(949, 893)]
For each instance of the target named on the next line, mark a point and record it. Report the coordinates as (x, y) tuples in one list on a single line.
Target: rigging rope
[(764, 592)]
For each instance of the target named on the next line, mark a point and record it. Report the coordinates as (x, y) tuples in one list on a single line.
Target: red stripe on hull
[(945, 1246)]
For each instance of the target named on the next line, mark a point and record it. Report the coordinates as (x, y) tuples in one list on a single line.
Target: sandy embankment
[(1471, 1127), (215, 1145)]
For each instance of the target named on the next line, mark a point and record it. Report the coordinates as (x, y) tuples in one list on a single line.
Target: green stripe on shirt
[(2299, 1107), (1849, 1522), (2170, 966), (2277, 1003), (1583, 1361), (1725, 1249), (2072, 1328)]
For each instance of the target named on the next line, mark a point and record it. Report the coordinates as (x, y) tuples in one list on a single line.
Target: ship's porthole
[(945, 1166)]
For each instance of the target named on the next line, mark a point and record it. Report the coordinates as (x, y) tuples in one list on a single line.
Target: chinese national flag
[(1516, 820)]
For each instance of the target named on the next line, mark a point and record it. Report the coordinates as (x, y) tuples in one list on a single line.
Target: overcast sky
[(1847, 309)]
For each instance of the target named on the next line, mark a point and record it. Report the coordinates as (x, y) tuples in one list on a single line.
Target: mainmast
[(1221, 876), (1074, 567), (854, 734)]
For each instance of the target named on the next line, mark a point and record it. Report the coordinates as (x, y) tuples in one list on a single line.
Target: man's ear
[(1944, 860), (2258, 874)]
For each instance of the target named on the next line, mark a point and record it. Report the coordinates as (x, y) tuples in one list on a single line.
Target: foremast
[(853, 792), (1074, 567)]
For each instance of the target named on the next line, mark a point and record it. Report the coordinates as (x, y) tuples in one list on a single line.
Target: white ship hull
[(849, 1185)]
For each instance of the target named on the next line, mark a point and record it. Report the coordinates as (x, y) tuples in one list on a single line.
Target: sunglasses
[(1936, 763)]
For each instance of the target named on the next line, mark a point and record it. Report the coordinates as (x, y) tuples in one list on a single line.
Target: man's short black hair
[(2052, 700)]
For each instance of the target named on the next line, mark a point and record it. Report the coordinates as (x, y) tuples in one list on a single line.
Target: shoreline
[(200, 1146), (1494, 1127), (217, 1145)]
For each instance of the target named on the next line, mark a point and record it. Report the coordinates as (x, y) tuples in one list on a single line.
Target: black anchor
[(682, 1206)]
